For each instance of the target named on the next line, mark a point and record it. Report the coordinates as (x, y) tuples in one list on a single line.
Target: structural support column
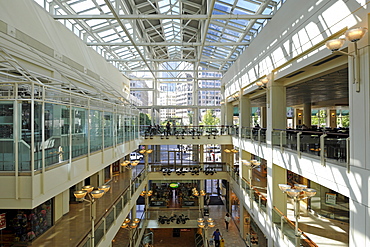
[(276, 114), (196, 116), (307, 114), (263, 117), (244, 111), (244, 169), (359, 108), (279, 199), (229, 114)]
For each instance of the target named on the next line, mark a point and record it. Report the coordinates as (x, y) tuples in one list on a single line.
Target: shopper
[(217, 237), (168, 128), (227, 221)]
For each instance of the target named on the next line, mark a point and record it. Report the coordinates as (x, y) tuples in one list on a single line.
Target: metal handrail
[(309, 242)]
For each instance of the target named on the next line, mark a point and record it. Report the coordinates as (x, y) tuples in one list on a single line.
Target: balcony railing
[(112, 213), (253, 192), (287, 228), (180, 131), (193, 168), (327, 145), (254, 134)]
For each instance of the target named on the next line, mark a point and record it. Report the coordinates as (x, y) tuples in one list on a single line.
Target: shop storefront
[(24, 225)]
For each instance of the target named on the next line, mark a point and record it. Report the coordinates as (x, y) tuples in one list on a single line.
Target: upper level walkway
[(324, 143)]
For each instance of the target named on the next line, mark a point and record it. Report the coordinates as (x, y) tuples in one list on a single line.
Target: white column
[(359, 108), (276, 109), (229, 113), (264, 117), (244, 110), (276, 115), (307, 114), (196, 116)]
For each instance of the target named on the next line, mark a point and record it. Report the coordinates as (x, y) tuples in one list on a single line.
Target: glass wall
[(329, 203), (6, 136), (36, 133)]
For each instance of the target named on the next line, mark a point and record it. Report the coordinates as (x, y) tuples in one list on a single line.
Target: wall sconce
[(262, 83), (299, 114), (352, 35), (333, 114)]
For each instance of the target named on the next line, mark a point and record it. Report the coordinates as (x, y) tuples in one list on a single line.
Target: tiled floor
[(231, 237)]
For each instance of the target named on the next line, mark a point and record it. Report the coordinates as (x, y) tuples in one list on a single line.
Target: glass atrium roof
[(145, 35)]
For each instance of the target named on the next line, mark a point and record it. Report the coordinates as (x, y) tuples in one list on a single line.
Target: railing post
[(281, 141), (299, 144), (347, 154), (322, 149), (259, 136), (259, 201), (282, 226)]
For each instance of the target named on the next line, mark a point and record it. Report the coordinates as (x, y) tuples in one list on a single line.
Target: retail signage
[(2, 221), (174, 185), (330, 198)]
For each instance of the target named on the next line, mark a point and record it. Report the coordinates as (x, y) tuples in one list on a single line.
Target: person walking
[(217, 237), (227, 221), (168, 128)]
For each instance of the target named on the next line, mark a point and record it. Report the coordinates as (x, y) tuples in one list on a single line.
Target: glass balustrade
[(58, 126), (105, 223), (330, 146), (287, 228)]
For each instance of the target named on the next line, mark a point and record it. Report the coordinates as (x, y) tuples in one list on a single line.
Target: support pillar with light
[(300, 192), (251, 165), (205, 224), (146, 152), (146, 194), (200, 194), (130, 225), (92, 196)]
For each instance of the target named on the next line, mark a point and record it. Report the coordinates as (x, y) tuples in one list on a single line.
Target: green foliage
[(209, 119), (319, 119), (145, 119)]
